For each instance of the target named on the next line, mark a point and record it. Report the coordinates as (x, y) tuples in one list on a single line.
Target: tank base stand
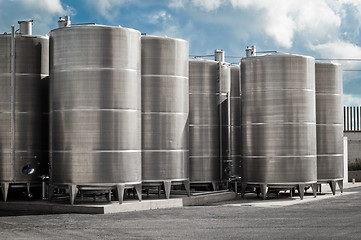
[(73, 190), (340, 185), (5, 190), (314, 187), (167, 187), (138, 189), (120, 190), (243, 189), (301, 190), (187, 187), (264, 190), (332, 184), (215, 186)]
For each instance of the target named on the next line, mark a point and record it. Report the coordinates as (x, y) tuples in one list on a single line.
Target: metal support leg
[(264, 190), (120, 189), (50, 191), (72, 193), (167, 187), (314, 189), (28, 190), (301, 190), (236, 188), (187, 187), (110, 195), (5, 190), (333, 186), (340, 185), (138, 189), (243, 189), (215, 186)]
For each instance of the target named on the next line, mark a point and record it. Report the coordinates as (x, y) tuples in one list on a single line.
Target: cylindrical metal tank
[(95, 108), (278, 121), (329, 119), (24, 67), (209, 83), (165, 110), (235, 121)]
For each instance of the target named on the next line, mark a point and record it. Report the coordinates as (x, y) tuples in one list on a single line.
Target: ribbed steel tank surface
[(279, 120), (209, 83), (26, 159), (235, 121), (165, 110), (329, 119), (95, 107)]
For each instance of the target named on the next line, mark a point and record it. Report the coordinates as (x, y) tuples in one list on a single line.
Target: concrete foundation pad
[(114, 207)]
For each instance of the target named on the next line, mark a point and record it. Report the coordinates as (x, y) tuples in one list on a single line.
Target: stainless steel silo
[(329, 121), (209, 83), (278, 122), (24, 66), (165, 110), (235, 121), (95, 109)]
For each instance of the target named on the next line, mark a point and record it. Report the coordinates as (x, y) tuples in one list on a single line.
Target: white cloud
[(208, 5), (44, 13), (176, 3), (340, 49), (108, 9), (159, 16), (351, 100)]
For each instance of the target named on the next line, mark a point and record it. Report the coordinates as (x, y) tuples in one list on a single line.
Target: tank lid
[(219, 55), (26, 27), (64, 22), (251, 51)]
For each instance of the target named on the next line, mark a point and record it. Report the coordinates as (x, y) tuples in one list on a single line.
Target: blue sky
[(318, 28)]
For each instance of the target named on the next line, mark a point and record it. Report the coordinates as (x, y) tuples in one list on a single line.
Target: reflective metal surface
[(204, 118), (329, 120), (31, 70), (235, 121), (95, 105), (165, 109), (278, 119)]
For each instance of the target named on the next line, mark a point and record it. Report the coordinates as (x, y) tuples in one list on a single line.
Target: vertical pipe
[(347, 119), (220, 120), (344, 119), (12, 100), (358, 118), (354, 118)]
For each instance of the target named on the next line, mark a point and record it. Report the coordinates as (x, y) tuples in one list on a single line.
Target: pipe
[(12, 101)]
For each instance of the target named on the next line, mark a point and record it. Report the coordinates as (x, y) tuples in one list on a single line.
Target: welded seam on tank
[(165, 150), (280, 184), (164, 75), (280, 123), (328, 94), (207, 156), (201, 93), (245, 91), (281, 156), (165, 113), (329, 124), (95, 69), (332, 154), (95, 151), (95, 110), (167, 179), (208, 125)]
